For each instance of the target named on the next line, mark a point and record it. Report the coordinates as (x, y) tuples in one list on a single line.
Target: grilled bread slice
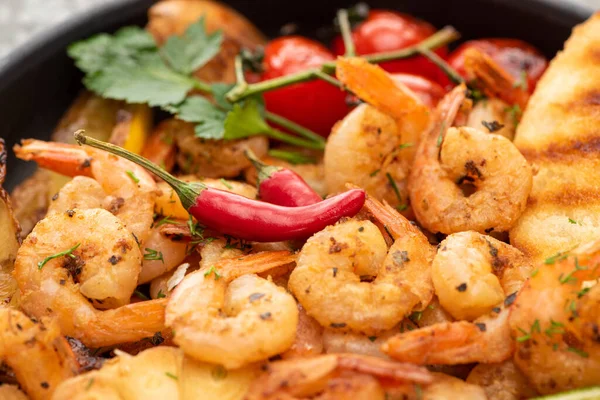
[(559, 135)]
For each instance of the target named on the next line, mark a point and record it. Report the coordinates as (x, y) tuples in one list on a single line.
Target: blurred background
[(22, 19)]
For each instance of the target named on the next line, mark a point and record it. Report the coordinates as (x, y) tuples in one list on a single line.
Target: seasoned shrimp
[(161, 254), (472, 273), (333, 376), (309, 337), (79, 257), (130, 189), (327, 278), (215, 158), (373, 146), (501, 381), (486, 112), (500, 175), (37, 353), (555, 321), (227, 315), (156, 374), (487, 339)]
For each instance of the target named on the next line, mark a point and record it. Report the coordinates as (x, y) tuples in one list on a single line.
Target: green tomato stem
[(443, 65), (293, 140), (438, 39), (294, 127), (342, 17)]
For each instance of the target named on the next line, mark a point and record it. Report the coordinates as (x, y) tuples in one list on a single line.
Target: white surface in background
[(21, 20)]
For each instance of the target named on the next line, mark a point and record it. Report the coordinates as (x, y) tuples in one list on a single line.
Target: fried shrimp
[(79, 259), (309, 337), (227, 315), (327, 278), (448, 158), (493, 116), (374, 145), (472, 273), (333, 376), (129, 189), (555, 321), (37, 353), (501, 381), (487, 340)]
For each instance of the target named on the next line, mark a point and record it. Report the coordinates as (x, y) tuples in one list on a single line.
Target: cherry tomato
[(515, 56), (317, 105), (429, 92), (385, 31)]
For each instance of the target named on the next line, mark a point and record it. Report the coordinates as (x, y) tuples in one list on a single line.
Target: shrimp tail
[(394, 223), (493, 79), (233, 268), (63, 158), (375, 86), (384, 368)]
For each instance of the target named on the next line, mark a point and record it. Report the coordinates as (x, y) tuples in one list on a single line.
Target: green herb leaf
[(172, 376), (134, 178), (226, 184), (218, 373), (140, 295), (193, 50), (68, 253), (160, 294), (200, 110), (213, 270), (152, 254), (245, 120)]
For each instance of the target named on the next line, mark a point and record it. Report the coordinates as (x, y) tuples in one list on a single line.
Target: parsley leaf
[(200, 110), (245, 120), (193, 50)]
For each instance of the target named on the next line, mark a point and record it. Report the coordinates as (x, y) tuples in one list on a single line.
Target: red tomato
[(429, 92), (514, 55), (317, 105), (385, 31)]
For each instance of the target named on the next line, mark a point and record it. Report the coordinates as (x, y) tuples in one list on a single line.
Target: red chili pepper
[(243, 218), (282, 186)]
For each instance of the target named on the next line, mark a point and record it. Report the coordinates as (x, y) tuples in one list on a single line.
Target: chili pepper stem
[(187, 192), (438, 39), (264, 171)]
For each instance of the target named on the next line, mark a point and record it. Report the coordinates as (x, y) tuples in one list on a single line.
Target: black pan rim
[(42, 46)]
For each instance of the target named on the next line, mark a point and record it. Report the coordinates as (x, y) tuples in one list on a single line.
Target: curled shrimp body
[(37, 353), (79, 259), (488, 111), (502, 381), (129, 189), (161, 254), (333, 376), (447, 158), (374, 145), (472, 273), (555, 320), (486, 340), (231, 320), (327, 278)]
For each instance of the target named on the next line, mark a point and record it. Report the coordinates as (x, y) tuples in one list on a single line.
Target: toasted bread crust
[(560, 135)]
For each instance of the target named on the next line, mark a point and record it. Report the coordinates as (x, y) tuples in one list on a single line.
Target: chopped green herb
[(522, 82), (67, 253), (374, 172), (401, 207), (535, 272), (557, 257), (555, 328), (155, 255), (582, 292), (213, 270), (226, 184), (196, 230), (219, 373), (165, 220), (140, 295), (416, 316), (569, 278), (372, 338), (577, 351), (405, 145), (90, 383), (134, 178), (440, 138), (515, 113), (418, 392), (392, 183), (160, 295), (172, 376), (535, 328), (572, 221)]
